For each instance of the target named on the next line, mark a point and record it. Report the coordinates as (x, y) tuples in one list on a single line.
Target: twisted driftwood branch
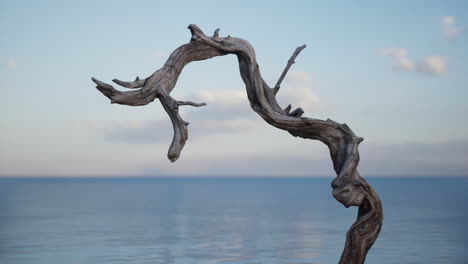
[(349, 188)]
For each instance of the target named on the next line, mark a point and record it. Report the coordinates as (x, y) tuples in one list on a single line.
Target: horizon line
[(227, 177)]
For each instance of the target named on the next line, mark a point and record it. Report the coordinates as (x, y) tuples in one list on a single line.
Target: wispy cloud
[(405, 159), (11, 64), (436, 65), (226, 112), (433, 65), (298, 91), (450, 29), (160, 131), (401, 57)]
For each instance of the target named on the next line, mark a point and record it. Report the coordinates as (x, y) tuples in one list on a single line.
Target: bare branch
[(286, 69), (106, 89), (190, 103), (297, 112), (179, 125), (216, 33), (287, 109), (132, 85), (133, 98)]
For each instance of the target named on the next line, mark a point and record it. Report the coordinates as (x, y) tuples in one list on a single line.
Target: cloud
[(384, 159), (144, 132), (433, 65), (297, 91), (299, 78), (229, 98), (415, 158), (156, 131), (451, 31), (227, 111), (400, 55), (229, 104), (11, 64), (377, 159)]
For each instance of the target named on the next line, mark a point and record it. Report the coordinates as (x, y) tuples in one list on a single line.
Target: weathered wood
[(349, 188), (285, 71)]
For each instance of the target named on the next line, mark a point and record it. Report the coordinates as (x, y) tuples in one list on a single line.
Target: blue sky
[(396, 72)]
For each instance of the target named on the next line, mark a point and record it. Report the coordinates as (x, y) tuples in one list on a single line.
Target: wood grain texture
[(349, 188)]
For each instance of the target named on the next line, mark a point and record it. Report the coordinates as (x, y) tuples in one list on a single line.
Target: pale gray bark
[(349, 188)]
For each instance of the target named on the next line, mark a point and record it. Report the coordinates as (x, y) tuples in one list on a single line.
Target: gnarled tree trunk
[(349, 188)]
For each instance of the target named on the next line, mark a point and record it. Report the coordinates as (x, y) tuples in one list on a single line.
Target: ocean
[(223, 220)]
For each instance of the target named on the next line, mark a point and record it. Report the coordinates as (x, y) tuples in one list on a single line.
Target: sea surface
[(203, 220)]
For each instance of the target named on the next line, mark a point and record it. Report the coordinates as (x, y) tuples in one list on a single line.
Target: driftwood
[(349, 188)]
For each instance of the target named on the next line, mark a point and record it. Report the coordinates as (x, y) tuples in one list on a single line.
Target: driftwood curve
[(349, 188)]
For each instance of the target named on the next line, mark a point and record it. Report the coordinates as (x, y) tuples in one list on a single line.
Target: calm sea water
[(144, 220)]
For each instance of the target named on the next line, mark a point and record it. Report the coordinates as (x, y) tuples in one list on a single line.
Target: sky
[(395, 71)]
